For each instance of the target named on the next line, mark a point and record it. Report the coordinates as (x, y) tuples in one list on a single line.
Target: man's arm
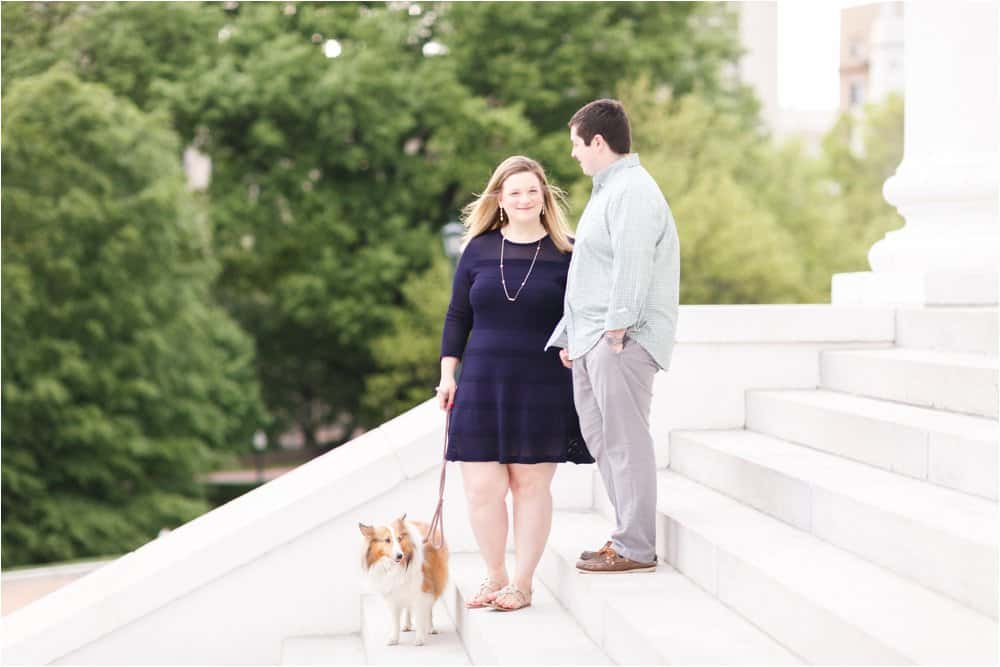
[(636, 222)]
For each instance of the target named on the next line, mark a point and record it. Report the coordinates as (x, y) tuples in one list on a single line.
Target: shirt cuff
[(621, 319), (559, 337)]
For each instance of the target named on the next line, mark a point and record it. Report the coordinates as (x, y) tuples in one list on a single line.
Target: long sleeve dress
[(514, 402)]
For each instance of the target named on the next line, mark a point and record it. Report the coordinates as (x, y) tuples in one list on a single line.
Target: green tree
[(861, 152), (122, 383), (331, 178), (128, 46), (552, 58), (406, 355), (27, 31), (757, 223), (549, 59)]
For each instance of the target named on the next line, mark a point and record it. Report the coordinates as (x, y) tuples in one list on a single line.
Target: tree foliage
[(861, 152), (548, 59), (405, 354), (331, 178), (121, 379)]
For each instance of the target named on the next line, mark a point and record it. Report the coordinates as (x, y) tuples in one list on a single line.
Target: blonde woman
[(512, 414)]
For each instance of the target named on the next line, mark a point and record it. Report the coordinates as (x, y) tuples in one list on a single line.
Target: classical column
[(947, 187)]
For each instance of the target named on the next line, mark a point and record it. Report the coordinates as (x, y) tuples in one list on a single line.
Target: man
[(617, 330)]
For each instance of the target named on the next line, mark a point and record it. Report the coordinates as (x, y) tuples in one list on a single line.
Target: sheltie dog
[(409, 574)]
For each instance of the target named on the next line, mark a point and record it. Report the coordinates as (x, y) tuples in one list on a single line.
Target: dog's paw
[(392, 640), (434, 631), (418, 640), (407, 627)]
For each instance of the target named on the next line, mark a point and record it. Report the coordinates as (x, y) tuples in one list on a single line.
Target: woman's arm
[(457, 325)]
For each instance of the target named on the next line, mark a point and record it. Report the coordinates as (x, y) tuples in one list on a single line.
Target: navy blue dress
[(514, 402)]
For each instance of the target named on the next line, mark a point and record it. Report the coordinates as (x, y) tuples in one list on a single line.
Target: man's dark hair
[(606, 118)]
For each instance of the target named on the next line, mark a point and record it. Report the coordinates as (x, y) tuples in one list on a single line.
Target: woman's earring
[(543, 212), (501, 216)]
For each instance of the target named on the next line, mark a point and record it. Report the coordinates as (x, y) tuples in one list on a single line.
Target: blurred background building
[(870, 63), (871, 53)]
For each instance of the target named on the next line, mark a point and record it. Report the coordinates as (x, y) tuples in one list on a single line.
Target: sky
[(809, 53)]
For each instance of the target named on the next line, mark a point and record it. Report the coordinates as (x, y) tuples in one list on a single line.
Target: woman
[(512, 414)]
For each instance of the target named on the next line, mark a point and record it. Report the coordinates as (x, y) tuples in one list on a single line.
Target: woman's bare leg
[(530, 485), (486, 485)]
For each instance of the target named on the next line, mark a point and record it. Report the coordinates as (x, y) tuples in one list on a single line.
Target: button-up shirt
[(625, 268)]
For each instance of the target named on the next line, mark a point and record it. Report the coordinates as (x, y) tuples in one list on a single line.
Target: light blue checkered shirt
[(625, 269)]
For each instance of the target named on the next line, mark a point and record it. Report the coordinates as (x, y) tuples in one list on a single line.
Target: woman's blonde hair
[(483, 214)]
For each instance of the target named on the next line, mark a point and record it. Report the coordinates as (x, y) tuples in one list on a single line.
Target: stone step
[(323, 650), (943, 539), (820, 602), (444, 648), (966, 330), (649, 618), (542, 634), (944, 448), (964, 383)]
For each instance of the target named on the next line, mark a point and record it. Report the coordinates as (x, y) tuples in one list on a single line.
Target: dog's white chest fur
[(395, 579), (401, 586)]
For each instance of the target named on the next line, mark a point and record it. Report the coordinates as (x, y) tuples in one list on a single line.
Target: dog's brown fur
[(435, 568)]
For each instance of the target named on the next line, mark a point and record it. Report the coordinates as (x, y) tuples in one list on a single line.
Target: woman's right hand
[(446, 392)]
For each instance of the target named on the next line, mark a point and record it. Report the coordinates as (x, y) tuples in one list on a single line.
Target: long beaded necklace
[(503, 281)]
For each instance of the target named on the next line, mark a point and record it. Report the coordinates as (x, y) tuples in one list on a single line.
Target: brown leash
[(437, 524)]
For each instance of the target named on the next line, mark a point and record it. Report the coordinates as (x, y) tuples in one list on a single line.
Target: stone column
[(947, 187)]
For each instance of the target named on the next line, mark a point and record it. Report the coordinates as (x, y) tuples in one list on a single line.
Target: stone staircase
[(832, 499), (853, 523)]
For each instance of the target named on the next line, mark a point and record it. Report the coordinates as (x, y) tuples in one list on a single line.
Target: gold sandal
[(522, 599), (481, 598)]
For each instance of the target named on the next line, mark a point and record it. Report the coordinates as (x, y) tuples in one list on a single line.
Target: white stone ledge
[(707, 382), (942, 288), (952, 450), (792, 323), (965, 383), (957, 329)]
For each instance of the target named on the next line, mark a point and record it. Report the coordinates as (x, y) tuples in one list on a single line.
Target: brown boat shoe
[(589, 555), (609, 562)]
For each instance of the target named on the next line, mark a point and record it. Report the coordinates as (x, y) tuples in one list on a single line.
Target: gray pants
[(612, 393)]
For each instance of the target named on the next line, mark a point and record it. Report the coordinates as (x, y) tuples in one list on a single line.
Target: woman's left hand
[(446, 392)]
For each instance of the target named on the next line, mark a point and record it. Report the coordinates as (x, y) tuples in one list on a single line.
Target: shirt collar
[(602, 177)]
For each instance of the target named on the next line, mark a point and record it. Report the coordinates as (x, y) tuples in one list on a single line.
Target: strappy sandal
[(522, 599), (486, 589)]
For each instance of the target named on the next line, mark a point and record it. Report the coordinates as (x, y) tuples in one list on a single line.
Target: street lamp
[(451, 237), (259, 445)]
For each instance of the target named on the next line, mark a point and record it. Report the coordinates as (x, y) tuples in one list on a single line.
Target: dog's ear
[(367, 531)]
